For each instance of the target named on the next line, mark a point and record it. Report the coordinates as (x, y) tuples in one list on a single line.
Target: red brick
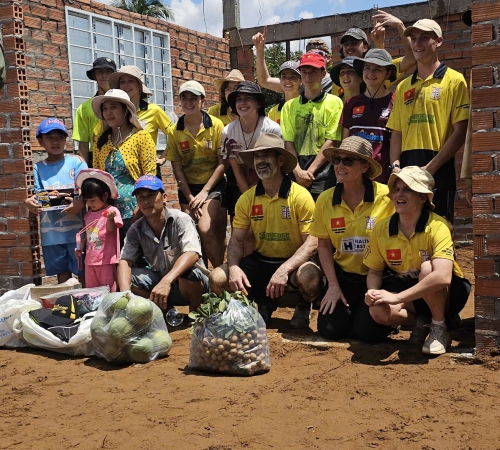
[(485, 98), (7, 240), (485, 55), (484, 268), (491, 325), (58, 38), (486, 225), (479, 246), (482, 12), (482, 163), (486, 184), (22, 254), (487, 287), (482, 120), (10, 211), (32, 22), (484, 342), (482, 205), (56, 14), (9, 269), (11, 136), (16, 195), (493, 246), (40, 11), (485, 141), (51, 50), (18, 226), (482, 33)]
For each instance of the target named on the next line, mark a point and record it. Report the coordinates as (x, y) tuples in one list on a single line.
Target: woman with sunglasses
[(343, 222)]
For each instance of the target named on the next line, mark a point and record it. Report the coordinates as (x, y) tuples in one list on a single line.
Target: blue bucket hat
[(148, 182), (49, 125)]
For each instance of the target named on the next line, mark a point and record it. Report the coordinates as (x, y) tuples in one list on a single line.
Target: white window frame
[(168, 107)]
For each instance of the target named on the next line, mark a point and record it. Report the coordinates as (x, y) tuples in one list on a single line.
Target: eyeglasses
[(347, 161)]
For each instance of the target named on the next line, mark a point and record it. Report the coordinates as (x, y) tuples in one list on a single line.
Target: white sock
[(441, 323)]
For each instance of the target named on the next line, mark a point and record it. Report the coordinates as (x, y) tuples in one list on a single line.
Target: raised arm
[(265, 80)]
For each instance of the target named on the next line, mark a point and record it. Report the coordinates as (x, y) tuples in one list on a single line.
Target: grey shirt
[(178, 236)]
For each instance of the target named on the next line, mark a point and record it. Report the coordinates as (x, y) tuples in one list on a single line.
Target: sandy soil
[(344, 395)]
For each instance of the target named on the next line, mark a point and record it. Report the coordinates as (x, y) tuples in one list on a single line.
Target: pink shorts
[(104, 275)]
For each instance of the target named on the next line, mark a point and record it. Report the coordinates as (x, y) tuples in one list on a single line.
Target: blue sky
[(188, 13)]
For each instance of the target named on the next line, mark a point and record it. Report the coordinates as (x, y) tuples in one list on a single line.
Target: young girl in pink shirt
[(101, 241)]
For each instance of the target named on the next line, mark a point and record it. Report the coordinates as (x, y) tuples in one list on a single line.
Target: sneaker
[(420, 331), (438, 340), (301, 315)]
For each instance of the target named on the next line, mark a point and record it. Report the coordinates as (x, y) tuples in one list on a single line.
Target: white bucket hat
[(417, 179), (116, 95)]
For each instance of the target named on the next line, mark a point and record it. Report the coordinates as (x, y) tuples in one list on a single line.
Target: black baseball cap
[(248, 87), (101, 63), (65, 311)]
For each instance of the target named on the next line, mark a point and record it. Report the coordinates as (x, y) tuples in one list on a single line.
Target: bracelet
[(393, 166)]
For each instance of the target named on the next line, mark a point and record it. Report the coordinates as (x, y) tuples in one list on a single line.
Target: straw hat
[(100, 175), (234, 75), (417, 179), (133, 71), (270, 141), (116, 95), (359, 148)]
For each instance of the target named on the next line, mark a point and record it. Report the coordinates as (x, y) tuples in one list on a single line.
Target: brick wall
[(485, 166), (455, 52), (38, 87)]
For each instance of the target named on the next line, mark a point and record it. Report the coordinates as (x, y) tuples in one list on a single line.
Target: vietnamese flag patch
[(184, 146), (337, 224), (393, 254), (358, 110), (257, 212), (409, 95)]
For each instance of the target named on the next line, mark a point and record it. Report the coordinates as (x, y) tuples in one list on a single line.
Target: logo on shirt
[(371, 137), (72, 174), (386, 112), (409, 96), (424, 255), (354, 244), (436, 93), (208, 145), (285, 212), (394, 256), (257, 212), (338, 224), (185, 147), (358, 111), (370, 222)]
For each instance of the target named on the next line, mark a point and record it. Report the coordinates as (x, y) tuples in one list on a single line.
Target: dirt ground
[(344, 395)]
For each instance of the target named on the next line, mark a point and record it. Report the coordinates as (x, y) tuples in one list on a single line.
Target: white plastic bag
[(90, 298), (12, 304), (129, 328), (38, 337)]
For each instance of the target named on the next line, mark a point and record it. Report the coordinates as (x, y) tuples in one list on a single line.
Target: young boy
[(55, 178)]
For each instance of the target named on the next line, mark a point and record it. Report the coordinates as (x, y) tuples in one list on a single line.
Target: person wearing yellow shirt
[(224, 86), (194, 148), (343, 222), (413, 278), (430, 114), (279, 213)]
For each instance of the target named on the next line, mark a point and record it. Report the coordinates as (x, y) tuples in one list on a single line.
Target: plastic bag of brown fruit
[(229, 336)]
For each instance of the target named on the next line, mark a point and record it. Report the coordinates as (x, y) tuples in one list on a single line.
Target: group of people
[(343, 192)]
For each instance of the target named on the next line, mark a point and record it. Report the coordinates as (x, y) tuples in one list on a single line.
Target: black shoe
[(301, 315), (453, 321)]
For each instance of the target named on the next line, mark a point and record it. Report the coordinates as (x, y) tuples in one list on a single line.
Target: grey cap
[(356, 33), (290, 65), (379, 57)]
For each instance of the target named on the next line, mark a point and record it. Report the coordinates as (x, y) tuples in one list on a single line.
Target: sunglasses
[(347, 161)]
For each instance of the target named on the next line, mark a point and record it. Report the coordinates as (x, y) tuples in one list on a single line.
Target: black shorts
[(216, 193), (458, 293), (444, 200)]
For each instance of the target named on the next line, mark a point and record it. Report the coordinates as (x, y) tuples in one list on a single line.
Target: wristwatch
[(393, 166)]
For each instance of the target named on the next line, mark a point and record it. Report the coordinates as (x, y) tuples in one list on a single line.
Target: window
[(91, 36)]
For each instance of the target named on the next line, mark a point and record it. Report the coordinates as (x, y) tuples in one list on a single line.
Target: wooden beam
[(230, 15), (340, 23)]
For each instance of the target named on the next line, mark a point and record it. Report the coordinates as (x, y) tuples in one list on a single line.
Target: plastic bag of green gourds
[(229, 336), (129, 328)]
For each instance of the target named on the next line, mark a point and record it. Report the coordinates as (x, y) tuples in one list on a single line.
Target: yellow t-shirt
[(349, 231), (138, 152), (389, 247), (275, 113), (425, 112), (200, 154), (215, 111), (277, 223)]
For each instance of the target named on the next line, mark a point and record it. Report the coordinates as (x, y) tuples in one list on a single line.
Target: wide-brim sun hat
[(417, 179), (100, 175), (379, 57), (116, 95), (335, 72), (101, 63), (247, 87), (234, 75), (359, 148), (133, 71), (270, 141)]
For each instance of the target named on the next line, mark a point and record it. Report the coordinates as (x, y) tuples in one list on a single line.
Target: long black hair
[(92, 187), (103, 138)]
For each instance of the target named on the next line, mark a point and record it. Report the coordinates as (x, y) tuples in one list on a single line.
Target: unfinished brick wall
[(485, 166), (38, 87), (455, 52)]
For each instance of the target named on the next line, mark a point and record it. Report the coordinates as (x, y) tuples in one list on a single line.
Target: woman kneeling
[(425, 284)]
